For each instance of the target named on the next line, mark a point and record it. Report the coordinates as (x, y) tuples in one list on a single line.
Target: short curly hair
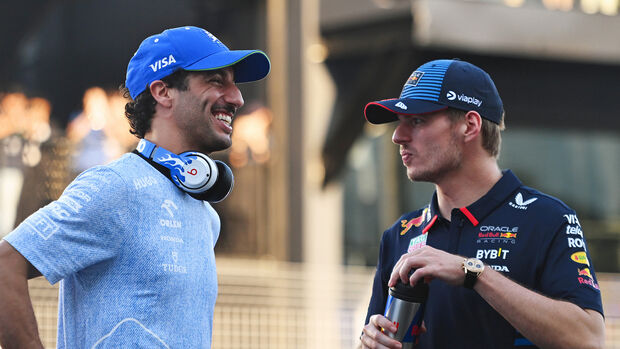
[(140, 111)]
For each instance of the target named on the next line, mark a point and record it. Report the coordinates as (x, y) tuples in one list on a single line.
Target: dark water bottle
[(405, 308)]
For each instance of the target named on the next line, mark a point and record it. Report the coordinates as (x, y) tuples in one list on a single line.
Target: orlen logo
[(580, 257), (162, 62)]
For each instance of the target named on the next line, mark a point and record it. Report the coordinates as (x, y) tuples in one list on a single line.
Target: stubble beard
[(442, 163), (208, 140), (203, 137)]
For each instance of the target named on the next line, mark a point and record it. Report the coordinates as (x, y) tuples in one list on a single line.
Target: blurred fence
[(266, 304)]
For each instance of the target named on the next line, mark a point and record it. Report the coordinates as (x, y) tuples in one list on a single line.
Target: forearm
[(18, 326), (546, 322)]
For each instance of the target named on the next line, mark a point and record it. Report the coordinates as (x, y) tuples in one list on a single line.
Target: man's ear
[(161, 93), (473, 125)]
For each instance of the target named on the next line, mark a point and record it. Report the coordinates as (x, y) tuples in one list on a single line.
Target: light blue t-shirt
[(134, 257)]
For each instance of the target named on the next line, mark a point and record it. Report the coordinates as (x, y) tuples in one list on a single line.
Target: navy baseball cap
[(193, 49), (437, 85)]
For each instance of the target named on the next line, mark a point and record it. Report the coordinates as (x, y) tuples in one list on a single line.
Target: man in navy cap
[(507, 265), (131, 242)]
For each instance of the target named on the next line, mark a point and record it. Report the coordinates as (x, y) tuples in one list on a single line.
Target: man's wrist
[(472, 268)]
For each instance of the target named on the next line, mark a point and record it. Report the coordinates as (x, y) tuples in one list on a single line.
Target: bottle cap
[(415, 294)]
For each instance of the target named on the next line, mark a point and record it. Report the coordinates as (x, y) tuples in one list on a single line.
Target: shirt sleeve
[(568, 272), (379, 286), (80, 229)]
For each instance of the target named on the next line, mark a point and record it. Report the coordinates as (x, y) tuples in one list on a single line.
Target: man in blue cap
[(507, 266), (131, 242)]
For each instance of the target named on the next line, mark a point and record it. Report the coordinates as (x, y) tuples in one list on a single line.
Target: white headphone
[(195, 173)]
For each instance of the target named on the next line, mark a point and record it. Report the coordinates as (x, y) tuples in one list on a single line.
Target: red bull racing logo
[(414, 78), (414, 222), (585, 278), (584, 272), (497, 234)]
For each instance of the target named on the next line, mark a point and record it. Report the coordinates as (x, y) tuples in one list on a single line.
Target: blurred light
[(609, 7), (567, 5), (103, 111), (96, 107), (384, 4), (564, 5), (375, 131), (39, 115), (27, 118), (514, 3), (250, 138), (589, 6), (12, 114), (31, 155), (117, 126), (317, 53), (315, 172), (360, 154), (13, 146)]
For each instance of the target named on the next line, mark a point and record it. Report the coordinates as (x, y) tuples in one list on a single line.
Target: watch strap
[(470, 279)]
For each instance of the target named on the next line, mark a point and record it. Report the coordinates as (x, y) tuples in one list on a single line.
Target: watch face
[(474, 265)]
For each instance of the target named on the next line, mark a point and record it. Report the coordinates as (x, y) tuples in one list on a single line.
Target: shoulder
[(100, 177), (120, 174), (541, 207), (525, 196)]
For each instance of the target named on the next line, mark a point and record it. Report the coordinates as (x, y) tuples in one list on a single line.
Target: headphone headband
[(193, 172)]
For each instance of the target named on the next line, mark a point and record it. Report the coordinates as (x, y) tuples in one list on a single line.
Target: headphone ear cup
[(200, 173), (222, 186)]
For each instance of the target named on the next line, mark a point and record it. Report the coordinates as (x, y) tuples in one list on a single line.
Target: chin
[(419, 176), (218, 146)]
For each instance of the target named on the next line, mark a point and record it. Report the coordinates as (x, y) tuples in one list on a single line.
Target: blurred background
[(315, 185)]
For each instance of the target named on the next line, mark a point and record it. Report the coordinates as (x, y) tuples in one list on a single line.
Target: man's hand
[(373, 337), (429, 263)]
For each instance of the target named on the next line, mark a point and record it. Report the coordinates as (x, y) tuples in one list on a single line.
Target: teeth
[(227, 119)]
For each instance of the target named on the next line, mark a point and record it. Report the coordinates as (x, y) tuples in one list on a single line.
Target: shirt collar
[(477, 211)]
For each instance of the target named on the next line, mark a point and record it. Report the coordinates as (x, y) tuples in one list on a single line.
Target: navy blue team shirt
[(530, 237)]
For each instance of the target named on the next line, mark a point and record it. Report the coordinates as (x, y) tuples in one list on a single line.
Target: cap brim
[(249, 65), (380, 112)]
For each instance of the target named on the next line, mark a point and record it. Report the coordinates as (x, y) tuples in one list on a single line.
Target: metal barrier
[(267, 304)]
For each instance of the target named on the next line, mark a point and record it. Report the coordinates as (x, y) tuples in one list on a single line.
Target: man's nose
[(400, 136), (233, 96)]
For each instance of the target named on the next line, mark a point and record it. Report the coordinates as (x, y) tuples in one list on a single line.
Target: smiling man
[(131, 243), (507, 265)]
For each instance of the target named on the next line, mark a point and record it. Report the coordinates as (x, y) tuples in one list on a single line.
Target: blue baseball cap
[(437, 85), (193, 49)]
